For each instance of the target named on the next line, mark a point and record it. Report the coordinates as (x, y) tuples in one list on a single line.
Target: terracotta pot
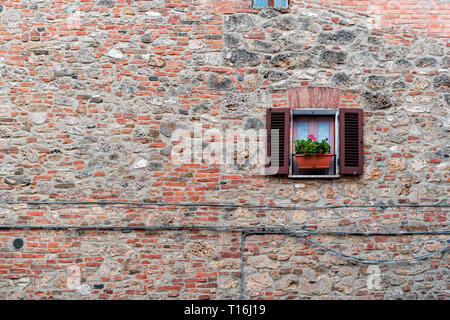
[(319, 161)]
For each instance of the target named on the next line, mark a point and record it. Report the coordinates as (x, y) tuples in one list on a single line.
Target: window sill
[(282, 10), (314, 176)]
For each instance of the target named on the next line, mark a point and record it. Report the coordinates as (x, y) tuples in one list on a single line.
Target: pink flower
[(312, 137)]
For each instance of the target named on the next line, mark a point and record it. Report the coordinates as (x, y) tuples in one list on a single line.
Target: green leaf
[(310, 147)]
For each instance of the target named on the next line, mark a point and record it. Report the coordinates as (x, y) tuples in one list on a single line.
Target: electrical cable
[(246, 230), (253, 230), (371, 261), (335, 252), (213, 227), (224, 205)]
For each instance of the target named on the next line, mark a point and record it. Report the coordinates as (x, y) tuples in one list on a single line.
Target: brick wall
[(424, 16), (92, 93)]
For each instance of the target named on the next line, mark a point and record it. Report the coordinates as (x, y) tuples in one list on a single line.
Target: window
[(316, 112), (321, 124), (277, 4)]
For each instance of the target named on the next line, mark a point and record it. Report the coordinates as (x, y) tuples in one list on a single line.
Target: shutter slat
[(351, 141), (279, 119)]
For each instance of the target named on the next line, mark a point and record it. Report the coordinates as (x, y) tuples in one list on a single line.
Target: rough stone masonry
[(91, 92)]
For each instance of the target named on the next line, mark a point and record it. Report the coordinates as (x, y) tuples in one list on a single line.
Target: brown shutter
[(351, 141), (278, 119)]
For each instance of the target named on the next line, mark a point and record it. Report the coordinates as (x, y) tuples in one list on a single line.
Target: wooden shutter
[(351, 141), (278, 119)]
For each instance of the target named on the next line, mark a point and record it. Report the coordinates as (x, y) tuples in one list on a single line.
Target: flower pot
[(318, 161)]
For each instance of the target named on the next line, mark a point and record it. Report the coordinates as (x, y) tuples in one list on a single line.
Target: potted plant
[(312, 154)]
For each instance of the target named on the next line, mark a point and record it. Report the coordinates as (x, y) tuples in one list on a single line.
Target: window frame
[(282, 9), (313, 112)]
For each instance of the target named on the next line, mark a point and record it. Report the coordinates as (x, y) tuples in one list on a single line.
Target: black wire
[(223, 205), (304, 236), (249, 230), (212, 227)]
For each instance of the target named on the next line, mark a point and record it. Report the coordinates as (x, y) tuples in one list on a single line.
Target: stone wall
[(92, 92)]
